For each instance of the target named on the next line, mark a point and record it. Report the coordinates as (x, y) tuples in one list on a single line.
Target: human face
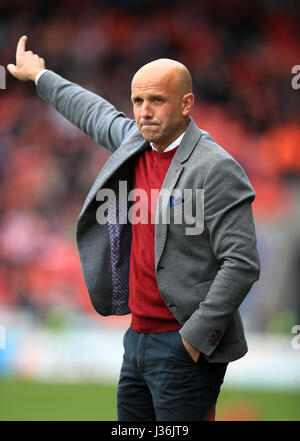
[(159, 108)]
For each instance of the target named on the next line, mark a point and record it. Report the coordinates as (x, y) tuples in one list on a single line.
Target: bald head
[(165, 68), (161, 93)]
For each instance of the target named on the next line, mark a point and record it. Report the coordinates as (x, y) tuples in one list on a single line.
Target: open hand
[(28, 64)]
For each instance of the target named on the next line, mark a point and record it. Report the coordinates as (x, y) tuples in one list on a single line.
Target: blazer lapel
[(187, 145)]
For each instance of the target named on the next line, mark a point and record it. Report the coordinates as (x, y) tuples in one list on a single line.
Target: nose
[(146, 110)]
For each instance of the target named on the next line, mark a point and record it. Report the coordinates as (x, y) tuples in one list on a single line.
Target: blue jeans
[(159, 381)]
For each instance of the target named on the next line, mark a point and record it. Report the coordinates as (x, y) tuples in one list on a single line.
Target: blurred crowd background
[(240, 54)]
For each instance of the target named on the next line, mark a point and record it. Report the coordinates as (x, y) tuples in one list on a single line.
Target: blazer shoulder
[(212, 152), (215, 161)]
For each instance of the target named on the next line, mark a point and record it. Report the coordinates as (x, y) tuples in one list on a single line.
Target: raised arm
[(89, 112)]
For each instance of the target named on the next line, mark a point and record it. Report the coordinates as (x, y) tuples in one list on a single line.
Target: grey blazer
[(204, 276)]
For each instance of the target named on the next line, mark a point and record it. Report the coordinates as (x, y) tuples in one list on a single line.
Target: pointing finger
[(21, 46)]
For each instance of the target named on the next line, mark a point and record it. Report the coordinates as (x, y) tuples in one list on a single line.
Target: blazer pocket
[(202, 289), (177, 211)]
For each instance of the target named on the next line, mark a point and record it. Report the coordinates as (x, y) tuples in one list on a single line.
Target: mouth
[(146, 125)]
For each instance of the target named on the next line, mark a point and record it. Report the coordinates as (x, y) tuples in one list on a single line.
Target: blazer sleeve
[(89, 112), (229, 219)]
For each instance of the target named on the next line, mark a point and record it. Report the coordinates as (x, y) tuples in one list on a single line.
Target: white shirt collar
[(171, 146)]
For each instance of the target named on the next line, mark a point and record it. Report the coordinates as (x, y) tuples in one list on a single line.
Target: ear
[(187, 103)]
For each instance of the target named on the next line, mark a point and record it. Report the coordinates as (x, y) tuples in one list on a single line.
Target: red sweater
[(149, 312)]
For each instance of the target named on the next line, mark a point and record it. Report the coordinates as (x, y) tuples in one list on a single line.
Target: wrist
[(38, 76), (194, 352)]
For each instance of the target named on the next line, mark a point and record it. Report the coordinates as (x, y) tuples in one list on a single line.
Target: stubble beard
[(151, 134)]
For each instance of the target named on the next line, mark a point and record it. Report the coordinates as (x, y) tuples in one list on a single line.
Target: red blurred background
[(240, 55)]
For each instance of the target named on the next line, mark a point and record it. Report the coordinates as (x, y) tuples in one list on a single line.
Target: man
[(183, 267)]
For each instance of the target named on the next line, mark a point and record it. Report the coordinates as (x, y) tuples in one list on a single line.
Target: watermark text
[(296, 79), (157, 207), (2, 77), (296, 338)]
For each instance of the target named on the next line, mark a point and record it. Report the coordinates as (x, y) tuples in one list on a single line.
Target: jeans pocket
[(184, 350)]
